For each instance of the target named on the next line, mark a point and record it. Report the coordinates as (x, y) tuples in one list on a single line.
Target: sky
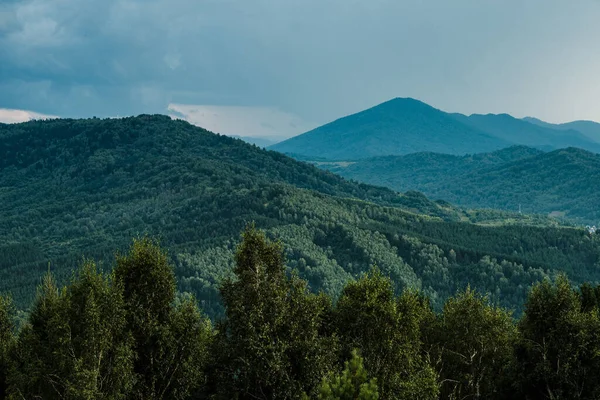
[(280, 67)]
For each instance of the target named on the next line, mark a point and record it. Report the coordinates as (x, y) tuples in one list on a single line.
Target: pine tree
[(352, 384)]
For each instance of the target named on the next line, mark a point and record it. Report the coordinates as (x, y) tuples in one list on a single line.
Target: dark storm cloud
[(317, 58)]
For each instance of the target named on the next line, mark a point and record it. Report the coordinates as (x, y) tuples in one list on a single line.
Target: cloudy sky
[(270, 67)]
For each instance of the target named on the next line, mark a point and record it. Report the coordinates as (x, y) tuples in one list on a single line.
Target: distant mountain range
[(561, 182), (403, 126), (590, 129)]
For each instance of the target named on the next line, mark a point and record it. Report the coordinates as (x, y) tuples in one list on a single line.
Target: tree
[(75, 345), (386, 330), (170, 341), (557, 355), (270, 344), (474, 347), (352, 384), (7, 341)]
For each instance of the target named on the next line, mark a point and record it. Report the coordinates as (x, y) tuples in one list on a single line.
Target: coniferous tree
[(270, 344), (352, 384), (170, 340), (386, 330)]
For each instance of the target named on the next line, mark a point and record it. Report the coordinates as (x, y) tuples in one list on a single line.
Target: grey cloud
[(316, 58)]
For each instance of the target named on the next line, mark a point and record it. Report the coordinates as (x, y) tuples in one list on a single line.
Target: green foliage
[(73, 187), (7, 340), (560, 183), (473, 345), (270, 344), (169, 340), (129, 335), (386, 331), (75, 345), (560, 344), (352, 384)]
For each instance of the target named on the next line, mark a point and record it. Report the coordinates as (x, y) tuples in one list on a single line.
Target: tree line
[(129, 334)]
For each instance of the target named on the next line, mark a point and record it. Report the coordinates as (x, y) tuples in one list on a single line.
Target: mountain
[(590, 129), (522, 132), (561, 182), (398, 126), (402, 126), (75, 188)]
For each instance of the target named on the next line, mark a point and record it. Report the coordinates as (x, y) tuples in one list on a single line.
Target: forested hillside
[(129, 335), (561, 182), (74, 188)]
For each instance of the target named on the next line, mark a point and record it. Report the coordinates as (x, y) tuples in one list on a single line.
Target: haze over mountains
[(403, 126), (590, 129)]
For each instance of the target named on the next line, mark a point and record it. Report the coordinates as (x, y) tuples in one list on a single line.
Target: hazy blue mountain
[(522, 132), (563, 182), (398, 126), (403, 126), (590, 129)]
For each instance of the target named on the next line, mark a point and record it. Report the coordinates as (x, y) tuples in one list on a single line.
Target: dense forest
[(73, 188), (128, 335), (561, 182)]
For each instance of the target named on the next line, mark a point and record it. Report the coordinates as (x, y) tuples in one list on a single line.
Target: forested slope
[(562, 182), (74, 188)]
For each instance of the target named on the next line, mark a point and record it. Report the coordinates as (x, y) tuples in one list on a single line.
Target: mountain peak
[(398, 126), (405, 102)]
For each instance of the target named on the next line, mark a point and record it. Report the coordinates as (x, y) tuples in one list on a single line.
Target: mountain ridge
[(400, 125), (561, 181), (589, 128), (404, 125), (74, 188)]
